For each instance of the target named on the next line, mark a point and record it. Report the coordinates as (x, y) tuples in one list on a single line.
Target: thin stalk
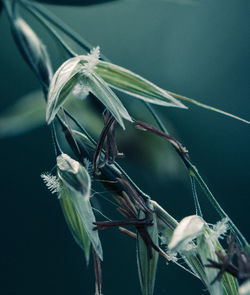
[(58, 150), (143, 194), (196, 200), (62, 26), (194, 172), (191, 168), (43, 21), (202, 105)]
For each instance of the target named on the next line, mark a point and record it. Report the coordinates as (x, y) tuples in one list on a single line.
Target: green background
[(200, 50)]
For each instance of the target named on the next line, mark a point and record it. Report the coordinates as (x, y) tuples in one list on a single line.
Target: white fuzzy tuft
[(92, 60), (219, 229), (80, 91), (52, 182)]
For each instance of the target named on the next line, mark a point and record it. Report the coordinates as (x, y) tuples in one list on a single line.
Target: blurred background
[(199, 49)]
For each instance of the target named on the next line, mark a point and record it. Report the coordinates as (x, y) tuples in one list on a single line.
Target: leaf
[(206, 248), (78, 184), (204, 106), (147, 266), (85, 212), (133, 84), (25, 115), (166, 223), (188, 228), (73, 74), (83, 141), (101, 90), (75, 224), (62, 83), (74, 2)]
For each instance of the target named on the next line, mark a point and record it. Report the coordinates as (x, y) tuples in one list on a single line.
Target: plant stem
[(191, 168), (194, 173), (202, 105), (62, 26), (50, 29)]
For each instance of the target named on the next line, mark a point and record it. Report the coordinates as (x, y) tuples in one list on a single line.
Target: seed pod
[(33, 50)]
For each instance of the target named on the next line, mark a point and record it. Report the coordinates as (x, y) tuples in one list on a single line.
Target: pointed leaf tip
[(135, 85)]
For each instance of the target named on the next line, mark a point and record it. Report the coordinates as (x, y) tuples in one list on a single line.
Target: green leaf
[(23, 116), (206, 248), (133, 84), (101, 90), (64, 80), (85, 212), (205, 106), (74, 2), (82, 140), (74, 73), (147, 266), (75, 224), (78, 184), (166, 222)]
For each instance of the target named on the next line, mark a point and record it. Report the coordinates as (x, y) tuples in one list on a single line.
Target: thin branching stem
[(194, 173), (191, 168)]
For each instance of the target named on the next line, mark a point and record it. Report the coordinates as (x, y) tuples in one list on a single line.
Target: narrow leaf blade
[(77, 184), (85, 212), (133, 84), (147, 266), (63, 81), (101, 90), (75, 224)]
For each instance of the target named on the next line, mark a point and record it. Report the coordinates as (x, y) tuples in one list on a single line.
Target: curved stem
[(194, 173), (191, 168), (62, 26)]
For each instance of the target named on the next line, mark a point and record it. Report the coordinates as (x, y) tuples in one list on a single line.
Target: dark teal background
[(200, 50)]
